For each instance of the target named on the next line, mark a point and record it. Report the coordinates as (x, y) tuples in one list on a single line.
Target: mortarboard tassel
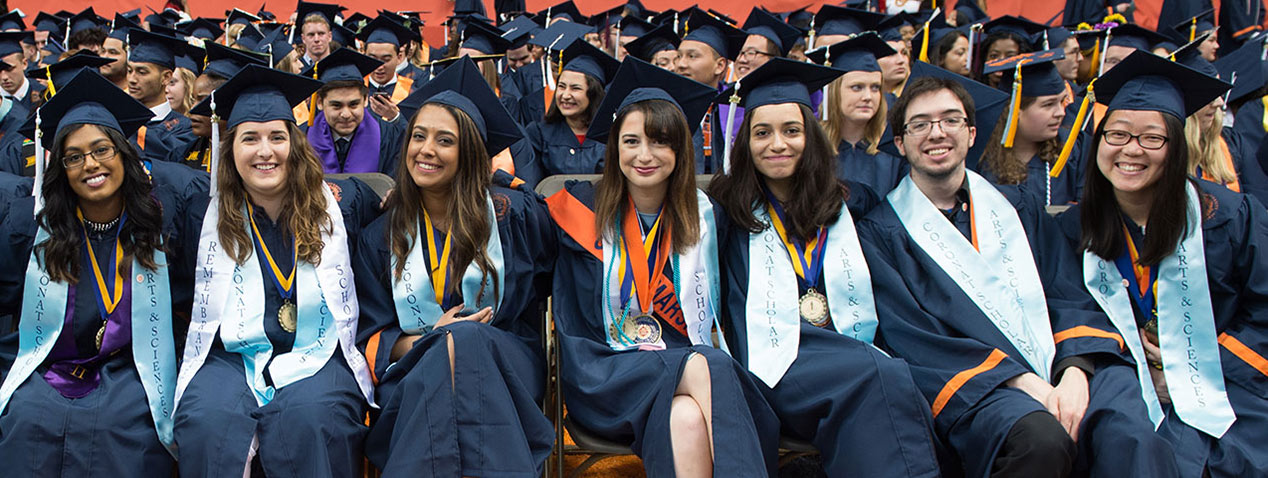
[(1193, 29), (52, 90), (38, 189), (734, 100), (1076, 128), (1098, 56), (312, 101), (215, 145), (810, 37), (1014, 109)]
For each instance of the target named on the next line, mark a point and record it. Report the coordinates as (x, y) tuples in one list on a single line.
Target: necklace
[(99, 227)]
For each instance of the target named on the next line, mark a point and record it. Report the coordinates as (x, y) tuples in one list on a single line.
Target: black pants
[(1037, 446)]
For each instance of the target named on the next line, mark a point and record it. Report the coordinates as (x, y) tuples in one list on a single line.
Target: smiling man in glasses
[(978, 291)]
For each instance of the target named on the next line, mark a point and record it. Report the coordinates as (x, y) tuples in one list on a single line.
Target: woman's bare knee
[(449, 343)]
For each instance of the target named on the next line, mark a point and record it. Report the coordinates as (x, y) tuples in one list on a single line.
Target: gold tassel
[(312, 101), (1014, 108), (924, 44), (1076, 128)]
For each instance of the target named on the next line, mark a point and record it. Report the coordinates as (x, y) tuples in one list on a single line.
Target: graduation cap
[(631, 85), (1188, 55), (661, 38), (168, 18), (988, 103), (462, 86), (779, 81), (1134, 36), (85, 20), (265, 14), (1052, 38), (326, 10), (121, 26), (384, 30), (12, 21), (933, 30), (237, 15), (342, 35), (582, 57), (1019, 26), (1245, 68), (275, 45), (566, 10), (191, 57), (607, 18), (1192, 27), (770, 27), (868, 5), (1033, 75), (148, 47), (166, 30), (834, 20), (485, 39), (225, 62), (633, 26), (87, 98), (250, 38), (258, 94), (204, 28), (799, 18), (856, 54), (1152, 83), (344, 64), (559, 35), (51, 24), (723, 38), (968, 12), (357, 22), (519, 30), (270, 27), (675, 18), (890, 29), (58, 74), (11, 42)]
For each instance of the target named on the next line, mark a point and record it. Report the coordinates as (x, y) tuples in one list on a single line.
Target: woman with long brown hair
[(804, 327), (1178, 266), (559, 139), (453, 279), (636, 293), (108, 263), (270, 367)]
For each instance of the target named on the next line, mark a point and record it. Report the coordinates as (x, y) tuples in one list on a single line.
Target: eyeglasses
[(1117, 137), (749, 54), (100, 153), (948, 125)]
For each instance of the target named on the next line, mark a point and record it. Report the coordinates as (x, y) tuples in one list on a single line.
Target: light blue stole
[(1186, 329), (773, 318), (415, 296), (1001, 278), (153, 350)]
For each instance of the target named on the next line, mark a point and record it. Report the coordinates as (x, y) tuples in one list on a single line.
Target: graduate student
[(1185, 294), (385, 40), (1030, 142), (804, 327), (1025, 376), (705, 55), (856, 112), (559, 140), (151, 61), (636, 293), (222, 63), (97, 263), (452, 280), (353, 131), (270, 368)]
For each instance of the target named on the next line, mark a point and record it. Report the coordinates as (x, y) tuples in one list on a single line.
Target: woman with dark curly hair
[(108, 261), (559, 140)]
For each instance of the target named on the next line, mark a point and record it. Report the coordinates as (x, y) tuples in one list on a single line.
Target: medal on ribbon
[(1142, 287), (284, 283), (438, 261), (641, 264), (807, 261), (109, 297)]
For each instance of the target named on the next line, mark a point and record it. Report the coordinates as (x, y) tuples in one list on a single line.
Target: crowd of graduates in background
[(911, 236)]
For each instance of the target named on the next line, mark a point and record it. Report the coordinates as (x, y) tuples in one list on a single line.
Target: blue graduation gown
[(196, 154), (162, 135), (1232, 231), (1248, 121), (410, 71), (625, 396), (530, 106), (1061, 190), (313, 427), (859, 407), (713, 163), (1250, 175), (109, 431), (881, 171), (928, 320), (500, 379), (556, 147)]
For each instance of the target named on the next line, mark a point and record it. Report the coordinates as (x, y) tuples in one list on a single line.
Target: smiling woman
[(559, 139)]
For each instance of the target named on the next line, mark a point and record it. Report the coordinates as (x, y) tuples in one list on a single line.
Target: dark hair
[(1101, 217), (88, 37), (664, 122), (468, 217), (1023, 46), (338, 84), (594, 93), (921, 87), (815, 201), (938, 51), (141, 235), (1004, 163)]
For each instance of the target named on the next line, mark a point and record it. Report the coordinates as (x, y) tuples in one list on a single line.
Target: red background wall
[(1147, 10)]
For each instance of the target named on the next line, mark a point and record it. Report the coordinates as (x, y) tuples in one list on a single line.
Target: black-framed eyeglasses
[(752, 53), (1118, 137), (100, 153), (948, 125)]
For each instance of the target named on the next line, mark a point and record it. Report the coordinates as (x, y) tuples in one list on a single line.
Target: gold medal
[(286, 316), (646, 330), (814, 308), (101, 335)]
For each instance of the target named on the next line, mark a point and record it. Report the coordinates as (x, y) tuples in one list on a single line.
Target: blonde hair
[(1205, 151), (836, 122), (187, 101), (232, 32)]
